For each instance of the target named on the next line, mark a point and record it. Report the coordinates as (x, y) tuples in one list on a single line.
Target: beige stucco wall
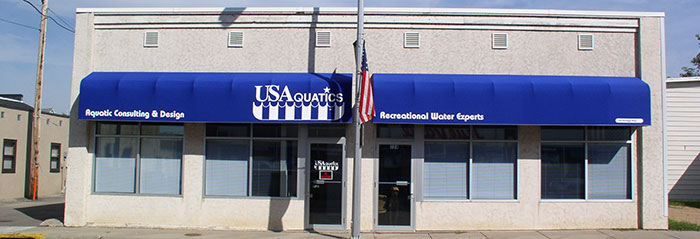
[(12, 184), (650, 145), (55, 131), (531, 52)]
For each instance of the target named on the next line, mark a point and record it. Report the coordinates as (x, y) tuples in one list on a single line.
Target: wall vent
[(411, 40), (150, 39), (499, 40), (235, 39), (585, 41), (323, 38)]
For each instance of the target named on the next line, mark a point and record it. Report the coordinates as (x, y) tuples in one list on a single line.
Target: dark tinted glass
[(495, 132), (326, 184), (446, 132), (274, 168), (609, 133), (228, 130), (562, 133), (326, 131), (563, 171), (163, 129), (275, 130), (109, 128), (395, 131)]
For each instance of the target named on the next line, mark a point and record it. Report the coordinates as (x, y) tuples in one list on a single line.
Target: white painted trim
[(676, 79), (376, 11), (351, 26)]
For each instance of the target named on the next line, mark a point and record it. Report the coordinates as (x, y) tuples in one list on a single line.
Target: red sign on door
[(325, 175)]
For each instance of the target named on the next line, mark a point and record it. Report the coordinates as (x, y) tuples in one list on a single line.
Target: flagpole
[(357, 161)]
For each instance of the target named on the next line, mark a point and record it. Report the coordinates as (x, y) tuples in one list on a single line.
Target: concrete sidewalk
[(107, 233)]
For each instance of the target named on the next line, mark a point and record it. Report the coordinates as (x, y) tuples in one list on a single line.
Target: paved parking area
[(24, 212)]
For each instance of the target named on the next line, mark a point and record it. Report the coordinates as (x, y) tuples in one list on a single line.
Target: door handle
[(401, 183)]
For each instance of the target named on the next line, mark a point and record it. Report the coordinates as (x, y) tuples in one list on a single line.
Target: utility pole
[(34, 162)]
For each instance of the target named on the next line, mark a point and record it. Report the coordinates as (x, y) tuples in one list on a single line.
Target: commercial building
[(683, 138), (16, 119), (238, 118)]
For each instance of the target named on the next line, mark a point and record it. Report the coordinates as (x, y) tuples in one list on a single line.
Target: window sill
[(215, 197), (472, 200), (587, 200), (136, 195)]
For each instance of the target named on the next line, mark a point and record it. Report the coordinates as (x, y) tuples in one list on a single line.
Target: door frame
[(307, 186), (375, 199)]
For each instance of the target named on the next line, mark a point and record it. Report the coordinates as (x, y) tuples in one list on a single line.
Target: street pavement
[(22, 217)]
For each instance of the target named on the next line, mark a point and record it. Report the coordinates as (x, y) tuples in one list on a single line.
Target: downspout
[(27, 165)]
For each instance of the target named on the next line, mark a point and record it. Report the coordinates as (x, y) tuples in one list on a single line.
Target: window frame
[(470, 164), (14, 156), (137, 177), (251, 139), (586, 142), (57, 159)]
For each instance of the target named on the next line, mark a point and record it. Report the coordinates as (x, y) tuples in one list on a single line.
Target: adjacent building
[(16, 119), (683, 138), (486, 119)]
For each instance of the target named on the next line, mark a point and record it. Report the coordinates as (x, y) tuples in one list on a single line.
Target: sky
[(19, 44)]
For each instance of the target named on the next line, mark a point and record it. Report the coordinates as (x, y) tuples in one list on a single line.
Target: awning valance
[(216, 97), (511, 99)]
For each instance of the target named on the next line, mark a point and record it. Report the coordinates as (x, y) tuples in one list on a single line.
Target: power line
[(20, 24), (60, 18), (52, 19)]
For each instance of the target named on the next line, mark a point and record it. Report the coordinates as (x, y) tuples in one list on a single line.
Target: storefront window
[(493, 169), (445, 170), (395, 131), (262, 165), (152, 157), (227, 167), (274, 168), (326, 130), (452, 153), (596, 158)]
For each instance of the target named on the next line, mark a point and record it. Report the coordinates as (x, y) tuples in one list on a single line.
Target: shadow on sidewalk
[(324, 234), (44, 212)]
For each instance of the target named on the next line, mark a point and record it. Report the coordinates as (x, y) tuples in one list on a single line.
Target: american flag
[(366, 94)]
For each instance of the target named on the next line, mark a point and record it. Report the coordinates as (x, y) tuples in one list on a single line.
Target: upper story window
[(9, 155), (55, 158)]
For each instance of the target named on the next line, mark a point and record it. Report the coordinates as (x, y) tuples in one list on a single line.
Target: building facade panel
[(450, 42)]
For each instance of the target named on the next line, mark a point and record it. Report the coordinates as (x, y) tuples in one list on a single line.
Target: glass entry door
[(326, 185), (394, 186)]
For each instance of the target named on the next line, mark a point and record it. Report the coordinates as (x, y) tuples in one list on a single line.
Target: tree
[(692, 71)]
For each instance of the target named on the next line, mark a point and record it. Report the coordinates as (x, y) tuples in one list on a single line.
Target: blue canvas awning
[(216, 97), (511, 99)]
